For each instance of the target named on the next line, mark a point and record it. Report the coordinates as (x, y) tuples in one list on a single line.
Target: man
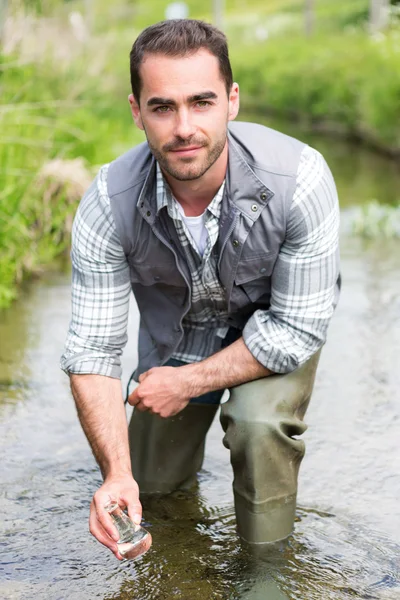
[(227, 234)]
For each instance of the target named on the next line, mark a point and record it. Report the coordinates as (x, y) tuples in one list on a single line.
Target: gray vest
[(260, 184)]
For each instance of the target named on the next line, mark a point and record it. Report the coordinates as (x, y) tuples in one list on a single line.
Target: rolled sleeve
[(100, 288), (304, 290)]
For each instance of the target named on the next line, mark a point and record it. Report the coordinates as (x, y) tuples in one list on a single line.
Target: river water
[(346, 543)]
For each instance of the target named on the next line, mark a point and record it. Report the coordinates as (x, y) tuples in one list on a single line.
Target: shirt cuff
[(81, 364), (274, 346)]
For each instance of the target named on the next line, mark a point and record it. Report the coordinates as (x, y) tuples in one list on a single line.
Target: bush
[(71, 102), (351, 81), (46, 115)]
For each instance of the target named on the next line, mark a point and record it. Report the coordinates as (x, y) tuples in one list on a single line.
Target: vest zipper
[(162, 239), (231, 228)]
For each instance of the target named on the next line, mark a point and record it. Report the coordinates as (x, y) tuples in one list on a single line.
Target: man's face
[(184, 111)]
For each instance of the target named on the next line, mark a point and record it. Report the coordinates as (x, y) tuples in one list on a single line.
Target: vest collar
[(243, 188)]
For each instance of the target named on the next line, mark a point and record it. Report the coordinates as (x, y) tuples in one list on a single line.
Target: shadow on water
[(198, 556), (346, 540)]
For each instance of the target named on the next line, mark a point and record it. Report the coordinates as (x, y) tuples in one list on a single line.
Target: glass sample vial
[(134, 540)]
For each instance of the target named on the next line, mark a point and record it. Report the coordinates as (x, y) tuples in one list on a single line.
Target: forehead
[(173, 75)]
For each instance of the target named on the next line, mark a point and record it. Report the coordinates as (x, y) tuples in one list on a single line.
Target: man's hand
[(125, 491), (164, 391)]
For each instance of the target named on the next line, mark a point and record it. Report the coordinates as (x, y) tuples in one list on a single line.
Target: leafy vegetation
[(64, 83), (44, 115), (349, 83), (375, 220)]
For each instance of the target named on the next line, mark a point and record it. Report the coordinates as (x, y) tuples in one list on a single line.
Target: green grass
[(76, 105), (377, 221), (45, 115), (352, 82)]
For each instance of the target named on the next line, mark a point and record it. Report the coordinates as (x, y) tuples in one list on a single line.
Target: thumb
[(143, 376), (134, 510), (133, 398)]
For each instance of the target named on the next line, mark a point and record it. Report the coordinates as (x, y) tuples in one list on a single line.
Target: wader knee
[(167, 453), (261, 420)]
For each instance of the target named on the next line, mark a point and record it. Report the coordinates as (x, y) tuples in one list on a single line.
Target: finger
[(167, 413), (103, 517), (102, 537), (134, 509), (133, 398), (100, 534), (143, 376)]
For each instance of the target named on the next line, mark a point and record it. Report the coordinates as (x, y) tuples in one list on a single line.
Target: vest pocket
[(253, 277), (161, 273), (255, 267)]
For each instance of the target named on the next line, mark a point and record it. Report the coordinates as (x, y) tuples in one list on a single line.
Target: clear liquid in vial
[(134, 540)]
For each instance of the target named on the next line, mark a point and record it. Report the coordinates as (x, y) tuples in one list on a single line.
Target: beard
[(188, 168)]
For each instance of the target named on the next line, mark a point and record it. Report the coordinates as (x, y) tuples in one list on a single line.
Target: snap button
[(235, 243), (148, 213), (263, 196), (263, 270), (254, 207)]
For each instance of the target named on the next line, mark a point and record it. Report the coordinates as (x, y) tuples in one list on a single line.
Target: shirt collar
[(166, 198)]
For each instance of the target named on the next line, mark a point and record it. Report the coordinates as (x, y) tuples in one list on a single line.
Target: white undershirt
[(197, 229)]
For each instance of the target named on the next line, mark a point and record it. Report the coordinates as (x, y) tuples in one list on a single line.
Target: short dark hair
[(179, 37)]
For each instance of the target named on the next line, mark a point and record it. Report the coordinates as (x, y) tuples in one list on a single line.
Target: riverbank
[(347, 85), (58, 122), (64, 84)]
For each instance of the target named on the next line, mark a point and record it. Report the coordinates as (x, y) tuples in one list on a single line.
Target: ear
[(135, 110), (233, 107)]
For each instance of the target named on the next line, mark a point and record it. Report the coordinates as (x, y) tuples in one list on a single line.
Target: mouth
[(186, 151)]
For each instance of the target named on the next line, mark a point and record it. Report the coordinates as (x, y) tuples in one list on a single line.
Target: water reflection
[(361, 174), (14, 371), (346, 543)]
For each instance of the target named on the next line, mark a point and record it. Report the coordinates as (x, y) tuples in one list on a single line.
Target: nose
[(184, 126)]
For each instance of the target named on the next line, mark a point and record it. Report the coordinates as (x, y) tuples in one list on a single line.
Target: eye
[(162, 109), (202, 104)]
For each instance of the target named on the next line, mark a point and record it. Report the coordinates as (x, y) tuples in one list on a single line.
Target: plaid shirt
[(303, 294), (205, 324)]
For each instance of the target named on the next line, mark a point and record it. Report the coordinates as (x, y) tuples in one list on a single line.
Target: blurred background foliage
[(331, 65)]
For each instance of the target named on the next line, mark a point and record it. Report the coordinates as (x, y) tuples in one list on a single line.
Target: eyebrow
[(169, 102)]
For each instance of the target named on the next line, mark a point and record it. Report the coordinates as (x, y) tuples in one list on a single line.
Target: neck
[(194, 196)]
